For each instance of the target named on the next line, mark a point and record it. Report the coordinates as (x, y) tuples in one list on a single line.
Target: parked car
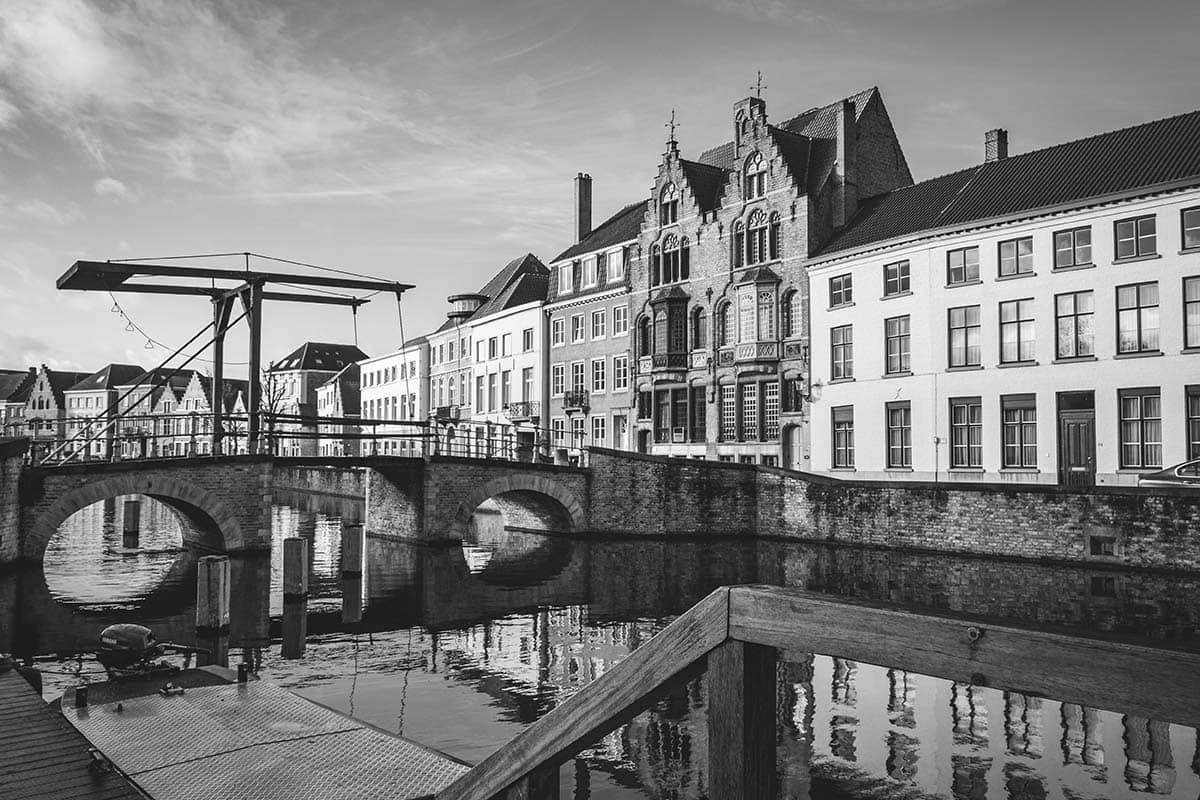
[(1186, 474)]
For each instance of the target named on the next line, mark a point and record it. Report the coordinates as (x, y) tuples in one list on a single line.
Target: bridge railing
[(734, 637)]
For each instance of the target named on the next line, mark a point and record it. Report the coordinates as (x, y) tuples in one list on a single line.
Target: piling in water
[(212, 607), (352, 573), (295, 597), (131, 524)]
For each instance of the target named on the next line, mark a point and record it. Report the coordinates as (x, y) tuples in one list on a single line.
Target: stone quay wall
[(339, 481)]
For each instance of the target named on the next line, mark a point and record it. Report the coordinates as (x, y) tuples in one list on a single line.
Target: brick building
[(719, 292), (1035, 318), (45, 414), (15, 386), (290, 391), (590, 394), (91, 409)]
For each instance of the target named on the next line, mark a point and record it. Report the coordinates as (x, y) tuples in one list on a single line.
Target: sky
[(431, 143)]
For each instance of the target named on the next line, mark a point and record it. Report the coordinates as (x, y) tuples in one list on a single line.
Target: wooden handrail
[(739, 630)]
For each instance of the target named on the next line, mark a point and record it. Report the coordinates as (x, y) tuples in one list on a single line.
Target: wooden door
[(1077, 448)]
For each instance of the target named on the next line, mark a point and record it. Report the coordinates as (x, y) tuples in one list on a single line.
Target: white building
[(395, 389), (289, 394), (1036, 318)]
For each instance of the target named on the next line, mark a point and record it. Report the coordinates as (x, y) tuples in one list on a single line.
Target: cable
[(138, 328)]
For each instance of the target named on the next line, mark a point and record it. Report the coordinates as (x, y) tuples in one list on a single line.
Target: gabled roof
[(522, 280), (1141, 157), (230, 389), (348, 384), (61, 381), (622, 226), (15, 385), (178, 380), (109, 377), (319, 356)]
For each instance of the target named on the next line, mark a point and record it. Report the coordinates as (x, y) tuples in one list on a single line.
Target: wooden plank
[(741, 721), (541, 784), (600, 705), (1149, 682)]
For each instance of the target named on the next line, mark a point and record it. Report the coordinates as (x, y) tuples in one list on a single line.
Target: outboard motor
[(130, 651)]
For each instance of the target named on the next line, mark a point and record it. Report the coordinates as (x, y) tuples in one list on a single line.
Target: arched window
[(655, 265), (723, 327), (756, 176), (670, 272), (668, 205), (699, 329), (450, 396), (756, 238), (644, 336), (788, 317), (684, 259), (773, 236), (736, 242)]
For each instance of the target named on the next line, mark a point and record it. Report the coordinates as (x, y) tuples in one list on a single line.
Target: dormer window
[(564, 279), (756, 176), (668, 208)]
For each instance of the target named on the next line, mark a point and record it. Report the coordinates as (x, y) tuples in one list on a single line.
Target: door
[(1077, 447)]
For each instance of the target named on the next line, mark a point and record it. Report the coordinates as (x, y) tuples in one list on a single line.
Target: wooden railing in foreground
[(735, 634)]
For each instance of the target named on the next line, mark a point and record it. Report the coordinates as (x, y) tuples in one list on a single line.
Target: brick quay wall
[(12, 453)]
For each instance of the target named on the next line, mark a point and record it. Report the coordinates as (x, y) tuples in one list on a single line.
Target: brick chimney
[(995, 145), (845, 199), (583, 206)]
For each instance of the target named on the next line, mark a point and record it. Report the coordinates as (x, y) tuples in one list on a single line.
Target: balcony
[(576, 400), (756, 351), (524, 410), (670, 361), (447, 413)]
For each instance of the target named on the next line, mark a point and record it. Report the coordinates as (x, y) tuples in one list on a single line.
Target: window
[(645, 336), (558, 430), (599, 323), (655, 265), (841, 291), (616, 266), (728, 413), (749, 392), (966, 432), (557, 379), (506, 387), (1135, 237), (576, 328), (599, 374), (1016, 257), (766, 314), (577, 431), (895, 279), (620, 372), (1141, 428), (1190, 223), (699, 329), (896, 340), (1137, 318), (577, 383), (599, 432), (1073, 248), (526, 383), (479, 393), (564, 279), (1016, 331), (723, 326), (527, 340), (491, 406), (589, 272), (558, 330), (620, 320), (770, 411), (1193, 422), (774, 235), (964, 336), (841, 343), (962, 265), (506, 344), (792, 315), (1074, 323), (735, 244), (668, 205), (1191, 312), (843, 437), (1019, 421), (756, 238), (492, 347), (756, 176), (899, 435)]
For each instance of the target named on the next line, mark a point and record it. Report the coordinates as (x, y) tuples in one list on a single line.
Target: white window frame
[(582, 337), (565, 279), (599, 386), (558, 331), (598, 316), (616, 257), (589, 277), (621, 372), (620, 322)]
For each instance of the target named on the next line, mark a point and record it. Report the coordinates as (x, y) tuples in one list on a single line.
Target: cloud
[(111, 187), (42, 211), (773, 11)]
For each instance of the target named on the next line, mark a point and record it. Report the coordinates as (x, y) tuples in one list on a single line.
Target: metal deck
[(257, 740)]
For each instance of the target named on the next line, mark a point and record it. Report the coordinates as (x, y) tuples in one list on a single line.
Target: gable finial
[(758, 85), (671, 125)]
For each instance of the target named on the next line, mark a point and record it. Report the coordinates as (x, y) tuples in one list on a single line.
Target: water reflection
[(462, 647)]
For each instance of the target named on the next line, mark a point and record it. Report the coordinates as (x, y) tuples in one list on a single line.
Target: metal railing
[(576, 398)]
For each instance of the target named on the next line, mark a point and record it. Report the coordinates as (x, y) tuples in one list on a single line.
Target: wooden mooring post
[(295, 597), (352, 573), (212, 607), (131, 524), (741, 720)]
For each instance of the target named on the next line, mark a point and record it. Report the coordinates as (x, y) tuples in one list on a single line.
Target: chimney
[(995, 145), (845, 201), (583, 206)]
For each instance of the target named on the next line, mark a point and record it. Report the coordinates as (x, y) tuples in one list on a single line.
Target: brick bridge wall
[(12, 451), (222, 503)]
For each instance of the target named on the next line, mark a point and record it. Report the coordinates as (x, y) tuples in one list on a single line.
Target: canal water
[(462, 647)]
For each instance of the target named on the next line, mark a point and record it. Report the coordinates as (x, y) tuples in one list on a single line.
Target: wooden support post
[(541, 784), (741, 721), (352, 573), (295, 597), (131, 524), (252, 300), (212, 607)]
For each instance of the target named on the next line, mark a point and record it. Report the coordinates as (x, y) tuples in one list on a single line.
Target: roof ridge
[(1096, 136)]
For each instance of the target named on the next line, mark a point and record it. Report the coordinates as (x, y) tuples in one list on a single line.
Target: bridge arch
[(206, 521), (538, 495)]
